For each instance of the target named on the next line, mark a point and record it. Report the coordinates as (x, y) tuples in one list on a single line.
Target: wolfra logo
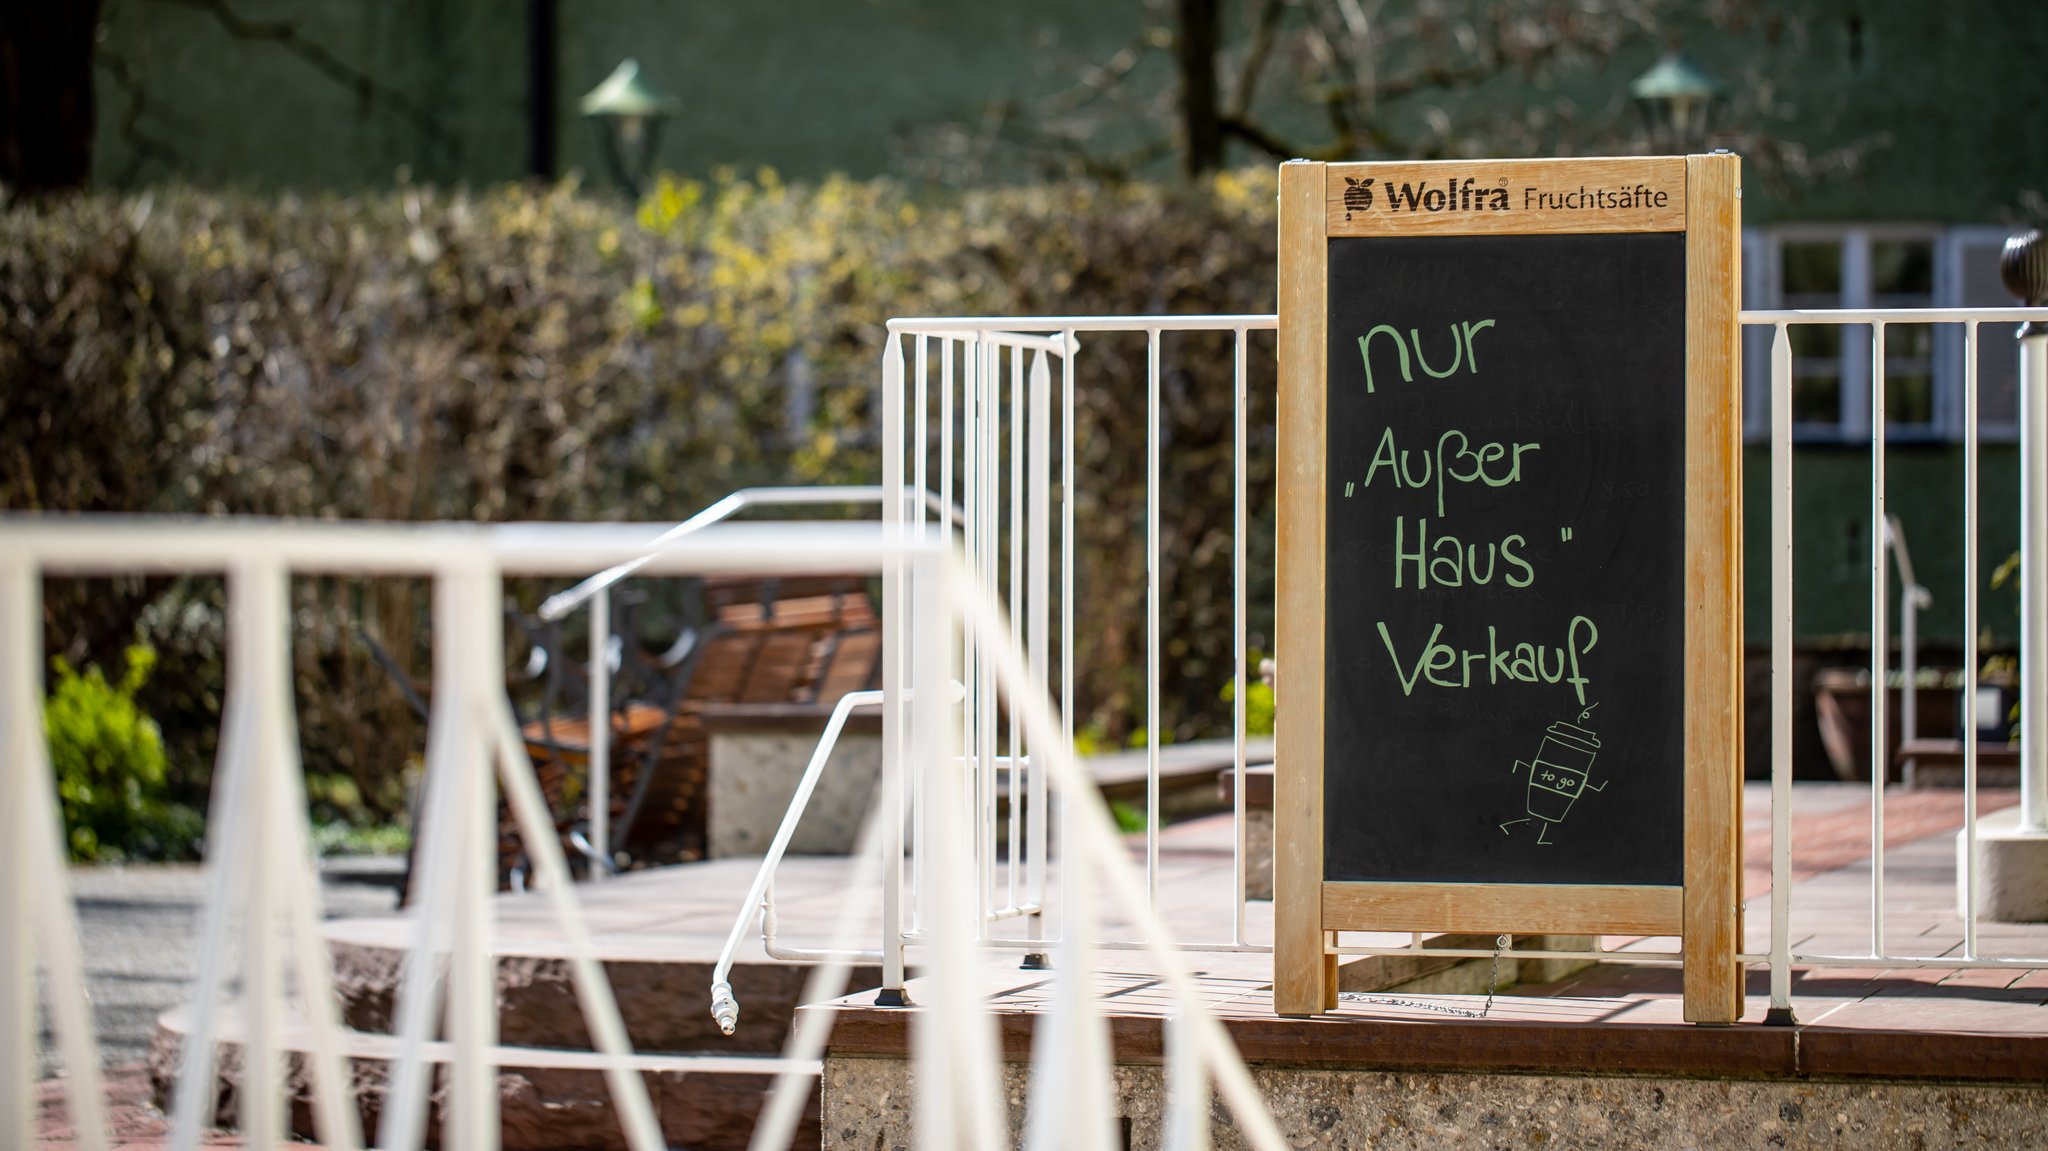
[(1357, 195), (1453, 195)]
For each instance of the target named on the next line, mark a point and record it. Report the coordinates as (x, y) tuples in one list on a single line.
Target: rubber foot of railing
[(892, 997), (1035, 961), (1780, 1017)]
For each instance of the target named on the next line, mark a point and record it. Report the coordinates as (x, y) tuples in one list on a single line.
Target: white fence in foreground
[(261, 888)]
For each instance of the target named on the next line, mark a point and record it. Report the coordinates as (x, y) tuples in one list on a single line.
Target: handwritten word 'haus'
[(1447, 561)]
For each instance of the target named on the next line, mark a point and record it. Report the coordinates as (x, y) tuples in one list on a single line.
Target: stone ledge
[(1522, 1047), (867, 1104), (548, 1100)]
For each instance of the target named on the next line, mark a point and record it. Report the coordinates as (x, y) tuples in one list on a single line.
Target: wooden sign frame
[(1701, 197)]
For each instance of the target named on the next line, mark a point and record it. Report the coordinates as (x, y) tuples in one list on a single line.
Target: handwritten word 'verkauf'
[(1435, 555)]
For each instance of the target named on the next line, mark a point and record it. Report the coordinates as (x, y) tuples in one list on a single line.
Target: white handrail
[(471, 737), (1913, 597), (596, 591), (724, 1008), (561, 603)]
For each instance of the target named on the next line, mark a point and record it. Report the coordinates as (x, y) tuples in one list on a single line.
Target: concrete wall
[(867, 1106)]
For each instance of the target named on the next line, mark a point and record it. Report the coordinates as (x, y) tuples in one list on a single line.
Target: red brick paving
[(1823, 841)]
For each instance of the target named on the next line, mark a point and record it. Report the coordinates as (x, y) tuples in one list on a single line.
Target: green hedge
[(546, 353)]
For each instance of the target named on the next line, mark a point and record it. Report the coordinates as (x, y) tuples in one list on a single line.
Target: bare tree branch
[(142, 146), (1098, 80), (1397, 78), (368, 90), (1264, 31)]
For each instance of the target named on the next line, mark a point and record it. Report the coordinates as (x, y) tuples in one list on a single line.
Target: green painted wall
[(805, 86), (1947, 96), (1831, 539), (181, 97), (1951, 90)]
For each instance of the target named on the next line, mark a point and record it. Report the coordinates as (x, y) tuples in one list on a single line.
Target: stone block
[(2012, 870), (754, 773), (1258, 853)]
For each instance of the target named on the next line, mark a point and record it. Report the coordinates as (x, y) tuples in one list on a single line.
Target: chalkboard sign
[(1504, 641), (1509, 617)]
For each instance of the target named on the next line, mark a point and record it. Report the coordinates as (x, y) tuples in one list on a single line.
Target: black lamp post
[(1675, 97), (629, 114)]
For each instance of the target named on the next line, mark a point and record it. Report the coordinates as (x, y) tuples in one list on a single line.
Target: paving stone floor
[(140, 926)]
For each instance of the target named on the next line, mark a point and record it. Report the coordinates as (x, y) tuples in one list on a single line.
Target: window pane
[(1908, 340), (1902, 268), (1815, 340), (1908, 399), (1817, 399), (1811, 267)]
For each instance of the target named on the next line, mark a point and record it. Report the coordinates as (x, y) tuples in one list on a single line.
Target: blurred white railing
[(1913, 596), (958, 644), (261, 885)]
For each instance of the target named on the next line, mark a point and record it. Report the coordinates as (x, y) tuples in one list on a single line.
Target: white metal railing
[(2033, 641), (968, 420), (977, 415), (1000, 457), (261, 878), (989, 381)]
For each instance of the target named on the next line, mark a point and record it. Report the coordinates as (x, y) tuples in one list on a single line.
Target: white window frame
[(1855, 241), (1948, 347)]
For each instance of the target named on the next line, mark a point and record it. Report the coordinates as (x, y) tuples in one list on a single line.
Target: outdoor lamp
[(1674, 96), (630, 113)]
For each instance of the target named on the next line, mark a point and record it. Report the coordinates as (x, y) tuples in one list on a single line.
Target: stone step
[(549, 1099), (666, 1004)]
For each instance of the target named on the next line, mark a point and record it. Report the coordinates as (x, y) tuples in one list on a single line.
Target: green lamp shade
[(1674, 78), (623, 94)]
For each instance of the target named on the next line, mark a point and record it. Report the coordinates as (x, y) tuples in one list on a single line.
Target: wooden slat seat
[(567, 737), (796, 640), (811, 611)]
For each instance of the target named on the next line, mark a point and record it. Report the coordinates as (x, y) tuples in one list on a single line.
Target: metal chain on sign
[(1500, 945)]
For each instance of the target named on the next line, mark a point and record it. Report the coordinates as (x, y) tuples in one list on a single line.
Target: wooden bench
[(768, 641)]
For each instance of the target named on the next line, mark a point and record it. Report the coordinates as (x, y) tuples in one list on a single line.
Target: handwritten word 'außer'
[(1494, 464)]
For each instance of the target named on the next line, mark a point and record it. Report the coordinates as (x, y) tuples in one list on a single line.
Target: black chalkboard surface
[(1504, 685)]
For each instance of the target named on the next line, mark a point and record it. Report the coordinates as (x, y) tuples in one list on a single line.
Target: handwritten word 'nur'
[(1462, 352)]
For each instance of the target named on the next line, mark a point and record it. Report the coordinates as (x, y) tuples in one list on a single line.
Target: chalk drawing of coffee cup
[(1561, 772)]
